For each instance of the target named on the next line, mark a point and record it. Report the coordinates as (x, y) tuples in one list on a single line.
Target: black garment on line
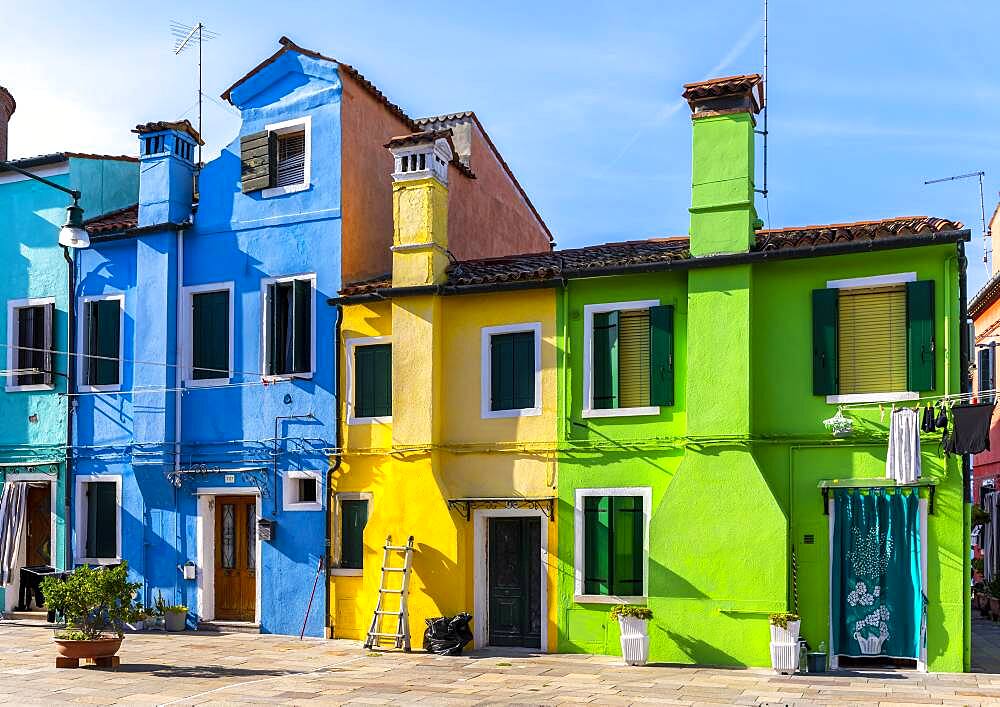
[(970, 429), (942, 419), (927, 423)]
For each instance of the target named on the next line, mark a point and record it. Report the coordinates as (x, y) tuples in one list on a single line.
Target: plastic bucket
[(817, 662)]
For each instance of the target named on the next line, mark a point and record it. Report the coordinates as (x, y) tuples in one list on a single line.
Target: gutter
[(335, 467), (68, 553)]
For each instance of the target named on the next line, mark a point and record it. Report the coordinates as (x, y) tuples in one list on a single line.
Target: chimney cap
[(728, 94), (181, 126), (421, 138), (6, 97)]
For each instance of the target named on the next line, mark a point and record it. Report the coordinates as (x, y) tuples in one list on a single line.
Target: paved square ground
[(205, 668)]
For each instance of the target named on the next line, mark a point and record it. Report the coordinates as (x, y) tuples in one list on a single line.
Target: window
[(291, 159), (353, 518), (611, 542), (98, 519), (511, 370), (211, 332), (987, 372), (282, 163), (629, 358), (370, 380), (102, 323), (874, 337), (288, 305), (302, 491), (30, 333)]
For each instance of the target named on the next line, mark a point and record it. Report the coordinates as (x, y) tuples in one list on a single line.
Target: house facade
[(35, 293)]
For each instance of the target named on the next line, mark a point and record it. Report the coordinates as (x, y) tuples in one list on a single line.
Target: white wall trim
[(589, 310), (205, 533), (873, 281), (646, 492), (486, 370), (336, 550), (264, 282), (187, 326), (289, 490), (80, 519), (481, 571), (350, 345), (290, 126), (872, 397), (82, 345), (12, 305)]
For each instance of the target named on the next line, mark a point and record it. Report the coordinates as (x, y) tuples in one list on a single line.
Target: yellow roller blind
[(872, 339), (633, 358)]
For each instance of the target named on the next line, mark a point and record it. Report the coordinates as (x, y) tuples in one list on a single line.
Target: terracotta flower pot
[(99, 648)]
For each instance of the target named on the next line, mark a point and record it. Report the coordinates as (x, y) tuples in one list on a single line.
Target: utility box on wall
[(266, 529)]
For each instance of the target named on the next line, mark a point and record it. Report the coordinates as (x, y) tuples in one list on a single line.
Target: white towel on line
[(903, 460)]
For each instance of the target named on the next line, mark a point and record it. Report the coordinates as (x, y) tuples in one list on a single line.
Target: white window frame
[(81, 327), (589, 310), (283, 128), (338, 540), (80, 521), (12, 306), (486, 370), (350, 345), (188, 326), (873, 281), (646, 492), (263, 326), (289, 490)]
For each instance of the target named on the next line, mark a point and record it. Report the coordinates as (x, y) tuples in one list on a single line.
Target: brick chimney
[(7, 107)]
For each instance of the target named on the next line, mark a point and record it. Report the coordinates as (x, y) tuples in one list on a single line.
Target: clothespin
[(881, 412)]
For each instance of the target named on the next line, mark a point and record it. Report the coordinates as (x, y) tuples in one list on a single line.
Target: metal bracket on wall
[(465, 506), (931, 493), (255, 475)]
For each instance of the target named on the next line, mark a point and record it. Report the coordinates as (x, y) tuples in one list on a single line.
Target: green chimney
[(722, 190)]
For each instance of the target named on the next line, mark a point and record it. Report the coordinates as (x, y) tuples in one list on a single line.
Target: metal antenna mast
[(184, 37), (982, 207), (763, 192)]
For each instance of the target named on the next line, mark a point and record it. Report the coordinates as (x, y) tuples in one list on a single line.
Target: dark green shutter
[(258, 161), (48, 360), (605, 343), (301, 326), (661, 355), (354, 516), (273, 340), (825, 316), (103, 321), (373, 380), (524, 370), (626, 545), (512, 371), (210, 335), (920, 358), (102, 520), (596, 543)]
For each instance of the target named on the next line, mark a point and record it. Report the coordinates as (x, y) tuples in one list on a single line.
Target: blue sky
[(868, 99)]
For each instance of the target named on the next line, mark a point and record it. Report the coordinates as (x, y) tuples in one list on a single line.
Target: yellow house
[(448, 429)]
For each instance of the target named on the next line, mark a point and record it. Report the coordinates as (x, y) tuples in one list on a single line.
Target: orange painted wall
[(987, 464)]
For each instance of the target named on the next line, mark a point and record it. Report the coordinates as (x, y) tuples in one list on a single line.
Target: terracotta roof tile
[(421, 136), (811, 236), (726, 86), (381, 282), (183, 126), (113, 222), (987, 295), (56, 157)]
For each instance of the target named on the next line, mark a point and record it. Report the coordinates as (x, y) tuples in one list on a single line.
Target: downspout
[(337, 458), (178, 377), (963, 387), (70, 405)]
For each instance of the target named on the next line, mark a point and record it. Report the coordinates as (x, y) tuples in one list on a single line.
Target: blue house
[(207, 427), (34, 295)]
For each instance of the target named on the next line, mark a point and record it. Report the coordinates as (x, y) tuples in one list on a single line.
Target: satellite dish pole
[(982, 209), (184, 37)]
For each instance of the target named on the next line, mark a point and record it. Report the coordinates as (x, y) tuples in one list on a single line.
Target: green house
[(696, 475)]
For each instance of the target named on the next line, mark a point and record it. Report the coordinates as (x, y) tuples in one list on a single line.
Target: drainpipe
[(337, 458), (178, 377), (70, 405), (963, 387)]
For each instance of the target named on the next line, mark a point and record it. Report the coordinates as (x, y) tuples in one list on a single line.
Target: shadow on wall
[(700, 652), (664, 583), (440, 575)]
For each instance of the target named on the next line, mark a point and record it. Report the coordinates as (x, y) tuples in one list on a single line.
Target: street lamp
[(72, 234)]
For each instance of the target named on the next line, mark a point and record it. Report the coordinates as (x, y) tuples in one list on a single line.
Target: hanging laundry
[(942, 418), (927, 423), (970, 432), (990, 533), (903, 460)]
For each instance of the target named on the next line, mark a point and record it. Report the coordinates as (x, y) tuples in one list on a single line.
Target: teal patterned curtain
[(878, 606)]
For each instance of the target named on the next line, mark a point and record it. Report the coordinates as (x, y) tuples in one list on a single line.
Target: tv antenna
[(185, 37), (982, 207), (764, 111)]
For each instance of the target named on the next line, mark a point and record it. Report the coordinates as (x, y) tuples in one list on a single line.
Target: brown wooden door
[(235, 558), (39, 549)]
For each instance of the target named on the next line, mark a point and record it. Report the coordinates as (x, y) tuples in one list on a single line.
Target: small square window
[(302, 491), (307, 491)]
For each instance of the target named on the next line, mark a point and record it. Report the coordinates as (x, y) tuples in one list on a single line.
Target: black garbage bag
[(448, 636)]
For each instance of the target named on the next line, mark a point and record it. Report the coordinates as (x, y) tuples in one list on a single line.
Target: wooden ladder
[(402, 634)]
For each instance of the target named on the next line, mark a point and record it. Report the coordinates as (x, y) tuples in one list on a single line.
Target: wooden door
[(39, 530), (236, 558), (515, 582)]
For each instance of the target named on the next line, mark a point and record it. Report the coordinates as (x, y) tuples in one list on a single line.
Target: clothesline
[(947, 398)]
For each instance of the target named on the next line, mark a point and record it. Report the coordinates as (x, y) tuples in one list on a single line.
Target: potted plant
[(96, 604), (784, 641), (140, 619), (175, 617), (633, 621)]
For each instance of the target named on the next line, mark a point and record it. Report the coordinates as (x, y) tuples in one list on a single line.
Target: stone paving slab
[(217, 669)]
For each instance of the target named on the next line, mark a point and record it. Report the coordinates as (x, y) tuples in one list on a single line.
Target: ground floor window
[(351, 517), (611, 542)]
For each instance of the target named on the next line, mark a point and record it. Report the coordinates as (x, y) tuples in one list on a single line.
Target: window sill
[(206, 382), (28, 388), (345, 572), (310, 506), (606, 599), (370, 420), (872, 398), (517, 412), (112, 388), (621, 412), (284, 377), (281, 191), (97, 560)]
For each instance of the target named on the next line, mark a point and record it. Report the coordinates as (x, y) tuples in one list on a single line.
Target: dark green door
[(515, 577)]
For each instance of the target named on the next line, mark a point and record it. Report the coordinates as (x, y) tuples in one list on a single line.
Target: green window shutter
[(373, 380), (605, 360), (49, 344), (524, 369), (825, 381), (626, 545), (210, 335), (382, 395), (271, 364), (661, 355), (103, 341), (920, 358), (301, 326), (596, 543), (512, 371), (102, 519), (258, 161), (354, 517)]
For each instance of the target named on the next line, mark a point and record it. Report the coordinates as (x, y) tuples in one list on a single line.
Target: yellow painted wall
[(438, 447)]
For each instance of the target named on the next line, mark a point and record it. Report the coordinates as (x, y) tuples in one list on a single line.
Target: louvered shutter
[(105, 336), (272, 339), (661, 355), (502, 372), (920, 345), (633, 358), (301, 326), (102, 519), (824, 306), (605, 358), (48, 344), (596, 542), (90, 326), (626, 545), (871, 334), (382, 395), (373, 380), (291, 159), (354, 517), (210, 335), (258, 161), (524, 370)]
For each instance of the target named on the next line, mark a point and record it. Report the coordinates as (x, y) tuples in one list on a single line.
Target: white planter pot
[(785, 635), (785, 657), (634, 640)]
